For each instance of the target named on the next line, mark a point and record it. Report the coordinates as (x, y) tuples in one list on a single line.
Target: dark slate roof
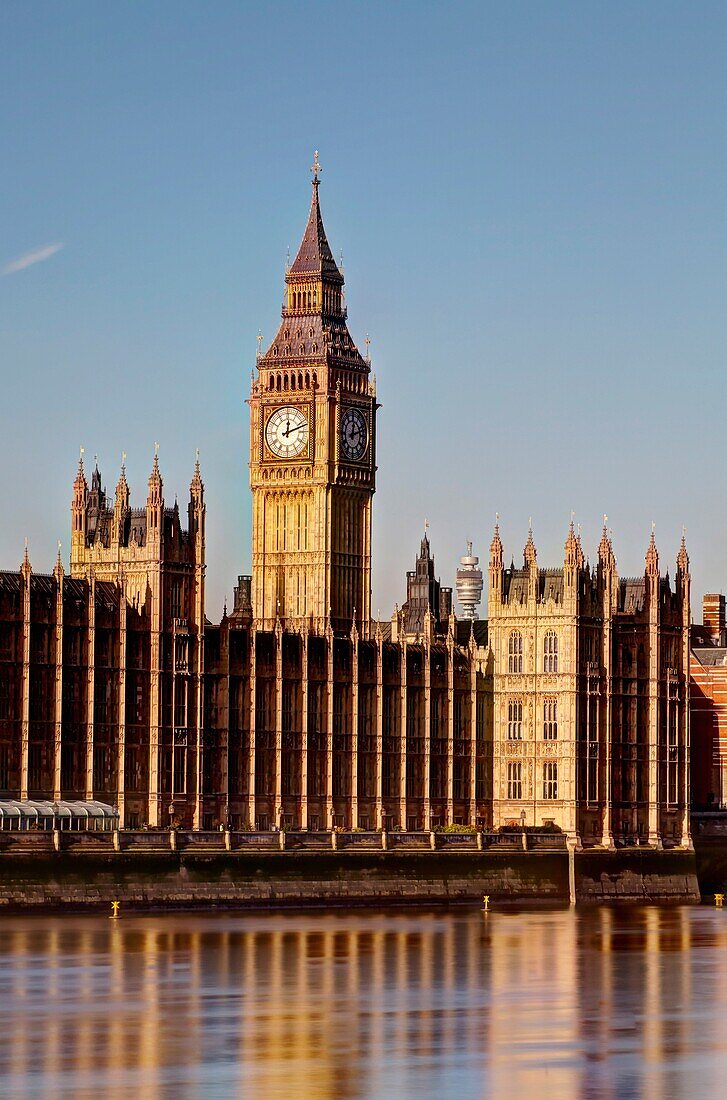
[(137, 526), (43, 583), (632, 595), (74, 586), (550, 585), (10, 582), (711, 655), (465, 629), (311, 337), (107, 592), (314, 255)]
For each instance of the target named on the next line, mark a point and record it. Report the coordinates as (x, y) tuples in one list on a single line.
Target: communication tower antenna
[(469, 583)]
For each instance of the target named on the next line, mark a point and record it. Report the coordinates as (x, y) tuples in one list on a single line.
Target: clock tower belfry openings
[(312, 452)]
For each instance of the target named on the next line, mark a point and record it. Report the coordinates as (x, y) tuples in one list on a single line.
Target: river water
[(586, 1003)]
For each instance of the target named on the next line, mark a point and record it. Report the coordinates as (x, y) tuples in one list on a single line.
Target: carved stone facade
[(568, 705), (591, 695), (312, 452)]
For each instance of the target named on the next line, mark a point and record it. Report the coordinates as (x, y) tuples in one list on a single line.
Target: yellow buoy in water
[(719, 900), (485, 902), (115, 906)]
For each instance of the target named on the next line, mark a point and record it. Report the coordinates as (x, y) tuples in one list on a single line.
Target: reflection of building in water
[(604, 1000), (568, 705)]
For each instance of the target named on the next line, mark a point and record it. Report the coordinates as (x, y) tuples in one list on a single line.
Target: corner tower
[(312, 452)]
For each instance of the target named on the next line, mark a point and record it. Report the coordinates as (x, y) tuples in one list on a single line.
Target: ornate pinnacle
[(683, 556), (529, 553), (652, 554), (316, 169)]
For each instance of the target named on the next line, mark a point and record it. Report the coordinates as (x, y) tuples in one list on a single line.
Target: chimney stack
[(713, 617)]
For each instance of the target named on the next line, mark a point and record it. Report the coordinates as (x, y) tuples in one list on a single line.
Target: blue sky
[(530, 200)]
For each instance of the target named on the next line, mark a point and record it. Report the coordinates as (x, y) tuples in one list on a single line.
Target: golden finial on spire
[(316, 168), (156, 449), (259, 344), (367, 342)]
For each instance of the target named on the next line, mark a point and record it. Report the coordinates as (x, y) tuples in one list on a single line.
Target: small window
[(514, 779), (515, 652)]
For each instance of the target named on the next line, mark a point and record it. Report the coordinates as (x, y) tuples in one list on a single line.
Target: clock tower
[(312, 452)]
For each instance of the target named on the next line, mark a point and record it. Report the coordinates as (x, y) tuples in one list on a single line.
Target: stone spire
[(155, 501), (605, 548), (683, 558), (314, 255), (196, 488), (579, 549), (197, 507), (496, 547), (155, 480), (571, 547), (530, 553), (314, 311), (496, 569), (80, 485), (58, 570), (122, 487), (121, 504), (652, 557), (26, 568)]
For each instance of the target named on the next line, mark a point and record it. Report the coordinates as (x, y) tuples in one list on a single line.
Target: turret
[(155, 502), (652, 566), (496, 568), (530, 558), (607, 570), (78, 504), (683, 579), (58, 569), (571, 563), (197, 509), (121, 505), (25, 567)]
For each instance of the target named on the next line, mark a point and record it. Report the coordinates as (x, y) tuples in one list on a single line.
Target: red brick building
[(708, 706)]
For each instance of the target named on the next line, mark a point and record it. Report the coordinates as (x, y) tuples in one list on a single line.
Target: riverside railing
[(219, 841)]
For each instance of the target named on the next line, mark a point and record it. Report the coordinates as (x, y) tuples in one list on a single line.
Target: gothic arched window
[(515, 652), (514, 720), (550, 652), (550, 720)]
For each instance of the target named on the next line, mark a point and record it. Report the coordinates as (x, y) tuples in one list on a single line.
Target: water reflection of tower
[(469, 583)]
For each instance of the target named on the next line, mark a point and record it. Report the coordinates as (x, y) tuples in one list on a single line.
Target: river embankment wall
[(90, 872)]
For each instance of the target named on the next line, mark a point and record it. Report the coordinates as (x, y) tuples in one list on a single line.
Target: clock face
[(354, 434), (286, 432)]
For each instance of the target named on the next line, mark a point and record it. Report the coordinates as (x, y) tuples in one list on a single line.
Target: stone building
[(590, 694), (569, 705)]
